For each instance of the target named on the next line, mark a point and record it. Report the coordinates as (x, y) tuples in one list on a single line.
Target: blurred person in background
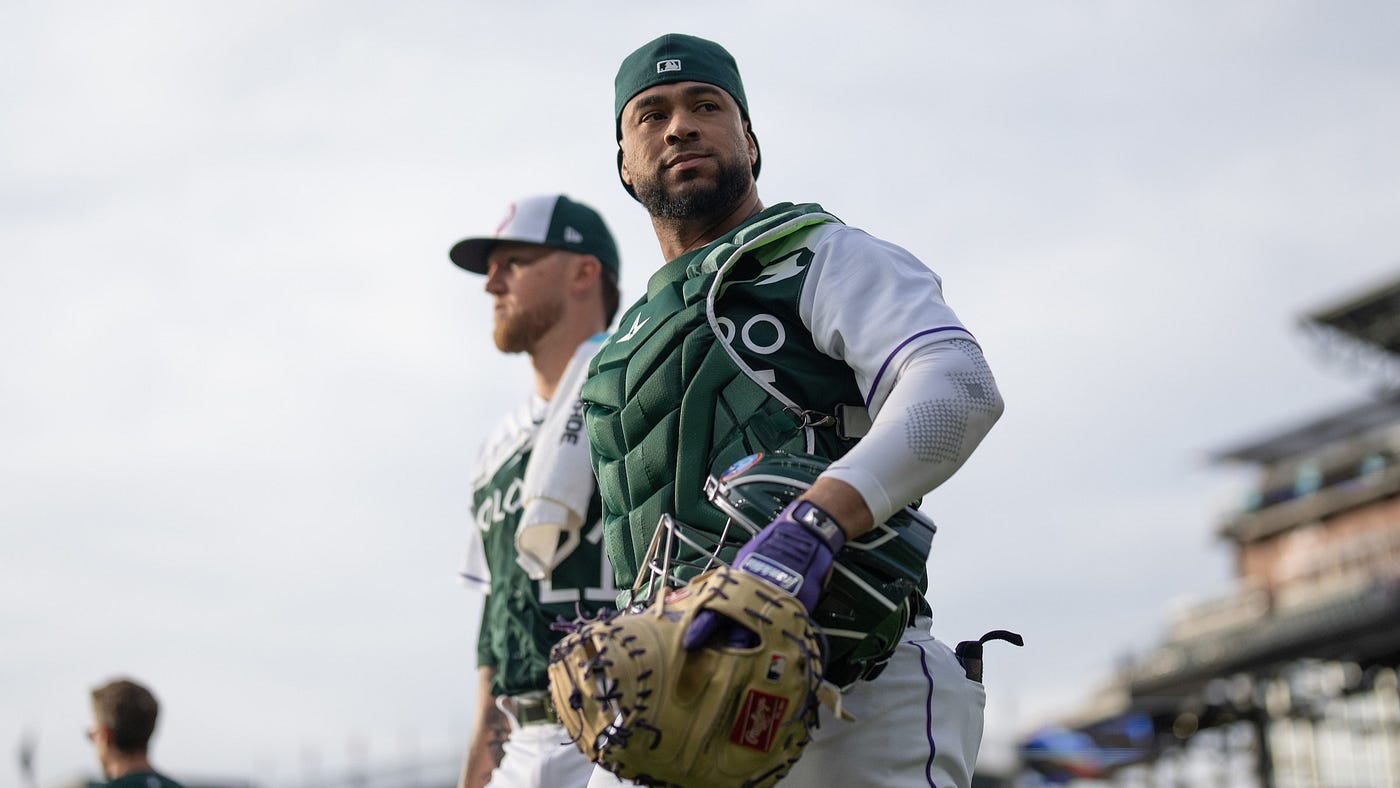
[(536, 552), (124, 718)]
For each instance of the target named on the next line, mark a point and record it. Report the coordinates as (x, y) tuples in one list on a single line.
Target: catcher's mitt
[(644, 708)]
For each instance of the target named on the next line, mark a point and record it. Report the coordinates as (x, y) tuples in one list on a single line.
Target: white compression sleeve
[(943, 403)]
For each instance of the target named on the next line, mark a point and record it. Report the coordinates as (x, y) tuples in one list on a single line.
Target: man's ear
[(622, 167), (587, 271), (753, 146)]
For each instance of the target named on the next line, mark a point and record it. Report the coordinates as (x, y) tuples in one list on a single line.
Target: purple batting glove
[(793, 554)]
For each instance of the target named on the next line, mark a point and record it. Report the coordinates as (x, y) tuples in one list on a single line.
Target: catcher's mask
[(877, 580), (636, 702)]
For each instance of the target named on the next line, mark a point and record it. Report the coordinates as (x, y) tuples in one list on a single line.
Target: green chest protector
[(672, 401)]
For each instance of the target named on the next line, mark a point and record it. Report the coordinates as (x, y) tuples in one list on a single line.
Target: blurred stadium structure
[(1290, 680)]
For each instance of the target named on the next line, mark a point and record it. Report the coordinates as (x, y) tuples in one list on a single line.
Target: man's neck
[(550, 356), (120, 765), (678, 236)]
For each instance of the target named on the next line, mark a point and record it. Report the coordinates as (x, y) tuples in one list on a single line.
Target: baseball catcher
[(779, 328)]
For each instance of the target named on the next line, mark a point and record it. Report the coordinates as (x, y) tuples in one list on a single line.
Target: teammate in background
[(551, 271), (124, 717), (783, 329)]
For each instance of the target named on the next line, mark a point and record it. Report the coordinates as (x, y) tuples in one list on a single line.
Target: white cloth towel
[(559, 479)]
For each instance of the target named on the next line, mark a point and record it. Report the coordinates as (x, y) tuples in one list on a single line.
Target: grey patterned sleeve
[(937, 428), (943, 403)]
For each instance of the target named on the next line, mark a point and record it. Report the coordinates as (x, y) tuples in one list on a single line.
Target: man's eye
[(650, 117), (708, 106)]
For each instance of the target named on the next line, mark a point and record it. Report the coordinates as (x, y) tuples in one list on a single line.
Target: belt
[(534, 710)]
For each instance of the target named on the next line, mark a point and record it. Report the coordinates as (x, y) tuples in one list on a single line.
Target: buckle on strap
[(534, 710), (851, 422)]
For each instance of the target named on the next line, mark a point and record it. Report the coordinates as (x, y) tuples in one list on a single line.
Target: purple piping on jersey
[(928, 715), (473, 578), (876, 384)]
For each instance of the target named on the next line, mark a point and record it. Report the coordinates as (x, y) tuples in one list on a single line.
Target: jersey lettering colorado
[(515, 625), (833, 291)]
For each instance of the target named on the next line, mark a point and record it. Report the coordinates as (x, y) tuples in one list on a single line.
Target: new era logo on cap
[(668, 65), (573, 236)]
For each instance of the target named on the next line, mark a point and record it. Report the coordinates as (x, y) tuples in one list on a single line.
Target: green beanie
[(676, 57)]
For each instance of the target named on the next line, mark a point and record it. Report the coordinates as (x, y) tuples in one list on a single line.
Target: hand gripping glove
[(793, 554), (652, 712)]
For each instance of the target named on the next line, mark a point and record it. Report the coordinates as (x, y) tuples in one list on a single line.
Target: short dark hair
[(611, 296), (128, 711)]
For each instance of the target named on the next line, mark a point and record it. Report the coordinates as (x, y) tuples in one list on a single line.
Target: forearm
[(489, 732)]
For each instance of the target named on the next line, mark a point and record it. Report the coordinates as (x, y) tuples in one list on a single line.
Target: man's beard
[(697, 201), (519, 333)]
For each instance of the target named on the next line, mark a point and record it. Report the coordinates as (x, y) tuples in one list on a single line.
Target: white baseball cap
[(551, 220)]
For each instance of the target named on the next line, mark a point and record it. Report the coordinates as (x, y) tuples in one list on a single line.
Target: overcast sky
[(242, 384)]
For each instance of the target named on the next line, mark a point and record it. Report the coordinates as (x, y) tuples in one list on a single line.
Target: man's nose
[(682, 127), (495, 279)]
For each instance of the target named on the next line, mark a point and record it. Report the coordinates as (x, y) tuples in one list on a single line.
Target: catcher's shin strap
[(969, 652), (533, 710)]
